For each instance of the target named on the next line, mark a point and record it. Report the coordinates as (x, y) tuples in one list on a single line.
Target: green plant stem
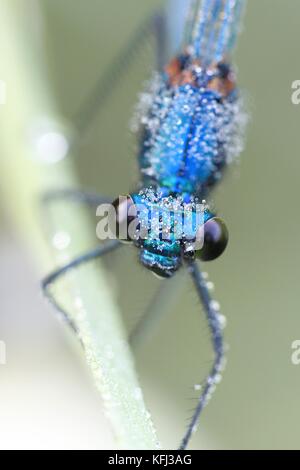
[(27, 121)]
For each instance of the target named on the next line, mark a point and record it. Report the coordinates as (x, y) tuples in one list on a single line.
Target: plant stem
[(34, 141)]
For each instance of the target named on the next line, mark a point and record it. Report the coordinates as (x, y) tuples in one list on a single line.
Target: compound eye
[(215, 240), (125, 214)]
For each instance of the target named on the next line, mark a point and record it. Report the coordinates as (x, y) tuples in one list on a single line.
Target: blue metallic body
[(185, 153)]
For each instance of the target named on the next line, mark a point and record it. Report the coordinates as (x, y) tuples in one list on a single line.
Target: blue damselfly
[(188, 128)]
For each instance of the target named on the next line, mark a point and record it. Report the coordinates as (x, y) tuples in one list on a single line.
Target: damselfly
[(188, 130)]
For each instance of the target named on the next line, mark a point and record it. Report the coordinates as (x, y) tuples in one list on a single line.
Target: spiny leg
[(153, 25), (77, 196), (108, 247), (217, 340), (159, 27)]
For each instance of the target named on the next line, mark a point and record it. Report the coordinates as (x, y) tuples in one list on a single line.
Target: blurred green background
[(48, 399)]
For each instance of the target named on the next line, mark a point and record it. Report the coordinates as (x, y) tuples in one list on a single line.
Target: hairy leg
[(59, 273), (212, 316)]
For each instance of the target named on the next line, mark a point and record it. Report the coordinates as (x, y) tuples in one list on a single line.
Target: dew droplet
[(222, 320), (51, 147), (194, 429), (218, 378), (214, 305), (210, 286)]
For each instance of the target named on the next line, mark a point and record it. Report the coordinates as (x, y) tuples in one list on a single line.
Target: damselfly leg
[(97, 252), (158, 307), (154, 26), (215, 326), (162, 300)]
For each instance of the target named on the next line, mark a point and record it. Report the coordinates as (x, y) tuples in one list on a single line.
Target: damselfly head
[(167, 230)]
